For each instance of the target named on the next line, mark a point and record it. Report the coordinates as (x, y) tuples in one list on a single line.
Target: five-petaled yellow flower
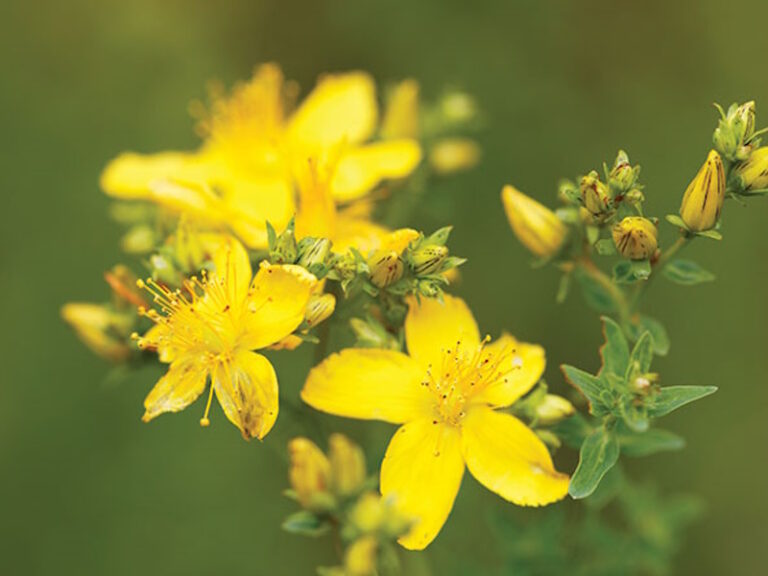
[(445, 394), (210, 329), (259, 155)]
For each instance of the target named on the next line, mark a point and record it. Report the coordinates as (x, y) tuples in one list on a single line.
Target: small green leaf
[(587, 384), (573, 431), (647, 324), (713, 234), (623, 273), (598, 454), (305, 523), (687, 272), (671, 398), (650, 442), (641, 269), (563, 288), (596, 295), (615, 351), (642, 356)]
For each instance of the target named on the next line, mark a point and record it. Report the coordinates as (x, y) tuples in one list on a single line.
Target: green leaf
[(687, 272), (647, 324), (635, 417), (573, 431), (596, 295), (641, 269), (642, 356), (598, 454), (623, 273), (671, 398), (562, 288), (305, 523), (587, 384), (615, 351), (650, 442)]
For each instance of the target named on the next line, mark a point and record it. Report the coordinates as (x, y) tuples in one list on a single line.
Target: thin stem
[(605, 281), (658, 265)]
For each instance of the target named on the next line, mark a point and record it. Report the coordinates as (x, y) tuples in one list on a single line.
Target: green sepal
[(670, 398), (641, 269), (305, 523), (687, 272), (598, 454), (712, 234), (675, 220)]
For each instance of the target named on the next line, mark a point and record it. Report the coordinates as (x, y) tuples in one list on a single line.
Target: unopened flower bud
[(753, 174), (553, 409), (310, 470), (536, 226), (427, 259), (319, 308), (371, 334), (635, 196), (734, 132), (458, 107), (704, 197), (95, 325), (636, 238), (454, 155), (313, 253), (347, 465), (623, 176), (360, 557), (595, 195), (386, 268)]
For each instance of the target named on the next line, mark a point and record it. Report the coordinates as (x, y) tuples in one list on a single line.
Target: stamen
[(204, 421)]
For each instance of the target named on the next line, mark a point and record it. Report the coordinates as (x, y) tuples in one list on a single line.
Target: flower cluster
[(270, 236)]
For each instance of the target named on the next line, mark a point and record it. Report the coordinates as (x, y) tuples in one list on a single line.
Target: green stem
[(658, 265), (605, 281)]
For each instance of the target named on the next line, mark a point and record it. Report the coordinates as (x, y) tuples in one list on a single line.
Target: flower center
[(464, 371)]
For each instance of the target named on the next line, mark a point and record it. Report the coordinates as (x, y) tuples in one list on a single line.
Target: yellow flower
[(635, 238), (535, 225), (256, 153), (444, 394), (754, 172), (704, 197), (210, 329)]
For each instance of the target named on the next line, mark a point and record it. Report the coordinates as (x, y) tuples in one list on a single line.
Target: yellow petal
[(130, 175), (358, 233), (276, 303), (422, 471), (370, 384), (251, 202), (432, 327), (193, 198), (247, 391), (509, 459), (398, 240), (158, 338), (181, 385), (401, 118), (520, 370), (361, 169), (233, 268), (342, 108)]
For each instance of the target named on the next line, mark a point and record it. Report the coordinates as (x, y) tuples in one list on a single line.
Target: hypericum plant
[(269, 235)]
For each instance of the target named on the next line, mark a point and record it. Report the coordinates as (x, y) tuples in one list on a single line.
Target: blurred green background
[(87, 489)]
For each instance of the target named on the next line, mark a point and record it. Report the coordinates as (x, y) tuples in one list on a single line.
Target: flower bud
[(97, 327), (285, 250), (623, 176), (753, 174), (734, 131), (536, 226), (454, 155), (313, 253), (360, 557), (386, 268), (704, 197), (319, 308), (347, 465), (310, 470), (401, 115), (371, 334), (553, 409), (427, 259), (595, 195), (636, 238)]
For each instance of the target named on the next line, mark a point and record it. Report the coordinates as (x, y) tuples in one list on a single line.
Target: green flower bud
[(313, 253), (734, 131), (386, 268), (636, 238), (753, 174), (285, 250), (427, 259), (595, 195), (704, 197), (623, 176)]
